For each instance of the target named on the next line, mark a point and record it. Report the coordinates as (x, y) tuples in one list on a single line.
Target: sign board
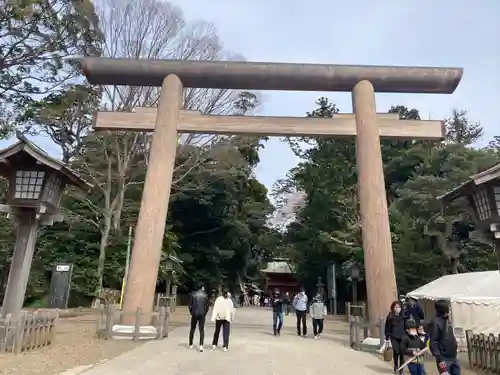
[(60, 286)]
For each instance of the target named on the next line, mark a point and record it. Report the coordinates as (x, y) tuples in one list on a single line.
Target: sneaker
[(315, 337), (225, 349), (201, 348), (190, 346), (214, 347), (304, 335)]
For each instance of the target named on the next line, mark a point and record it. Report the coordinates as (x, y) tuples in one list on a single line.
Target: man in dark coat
[(442, 341), (198, 308), (413, 311)]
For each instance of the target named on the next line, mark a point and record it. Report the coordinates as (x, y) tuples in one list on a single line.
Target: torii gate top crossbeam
[(270, 76)]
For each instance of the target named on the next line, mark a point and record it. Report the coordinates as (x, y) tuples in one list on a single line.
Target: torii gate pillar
[(150, 229), (377, 246)]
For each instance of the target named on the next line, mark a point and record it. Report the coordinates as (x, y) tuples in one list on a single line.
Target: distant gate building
[(279, 274)]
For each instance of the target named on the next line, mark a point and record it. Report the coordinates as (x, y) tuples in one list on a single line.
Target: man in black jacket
[(443, 343), (413, 311), (198, 308), (277, 305)]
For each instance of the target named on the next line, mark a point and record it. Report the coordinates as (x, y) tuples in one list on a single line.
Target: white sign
[(62, 268)]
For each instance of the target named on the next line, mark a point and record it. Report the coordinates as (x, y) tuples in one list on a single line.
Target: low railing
[(30, 330), (359, 332), (170, 302), (483, 351), (352, 310), (109, 317)]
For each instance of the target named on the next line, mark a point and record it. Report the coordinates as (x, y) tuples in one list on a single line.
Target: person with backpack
[(442, 340), (198, 308)]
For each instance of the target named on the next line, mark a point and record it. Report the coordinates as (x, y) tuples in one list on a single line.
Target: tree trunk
[(102, 256), (243, 290), (117, 215), (454, 265)]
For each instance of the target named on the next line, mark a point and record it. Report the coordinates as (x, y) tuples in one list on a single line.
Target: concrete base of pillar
[(126, 332)]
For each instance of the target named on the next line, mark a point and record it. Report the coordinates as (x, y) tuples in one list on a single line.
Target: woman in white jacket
[(222, 315)]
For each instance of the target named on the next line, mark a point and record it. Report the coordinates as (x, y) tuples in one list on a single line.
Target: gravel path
[(75, 345)]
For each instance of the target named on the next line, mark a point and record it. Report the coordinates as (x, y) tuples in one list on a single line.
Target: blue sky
[(459, 33)]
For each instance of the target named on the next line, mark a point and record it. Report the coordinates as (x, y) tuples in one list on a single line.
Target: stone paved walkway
[(253, 350)]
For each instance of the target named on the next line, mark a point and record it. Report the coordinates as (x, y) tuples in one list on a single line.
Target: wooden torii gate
[(169, 119)]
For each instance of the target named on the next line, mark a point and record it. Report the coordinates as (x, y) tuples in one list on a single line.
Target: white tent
[(474, 300)]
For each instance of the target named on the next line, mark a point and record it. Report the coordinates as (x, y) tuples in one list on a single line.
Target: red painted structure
[(280, 275)]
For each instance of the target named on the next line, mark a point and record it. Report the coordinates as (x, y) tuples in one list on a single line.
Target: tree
[(460, 130), (36, 38), (114, 162), (323, 225)]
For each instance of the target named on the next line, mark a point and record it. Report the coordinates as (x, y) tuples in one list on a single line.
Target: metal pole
[(127, 263)]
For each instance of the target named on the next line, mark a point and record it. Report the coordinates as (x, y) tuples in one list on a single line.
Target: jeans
[(226, 327), (318, 326), (200, 321), (301, 317), (416, 368), (277, 322), (452, 366)]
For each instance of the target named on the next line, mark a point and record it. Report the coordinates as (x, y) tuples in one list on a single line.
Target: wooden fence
[(355, 310), (359, 330), (29, 331), (109, 317), (483, 351)]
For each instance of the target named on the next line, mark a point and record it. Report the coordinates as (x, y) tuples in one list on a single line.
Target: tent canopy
[(471, 287)]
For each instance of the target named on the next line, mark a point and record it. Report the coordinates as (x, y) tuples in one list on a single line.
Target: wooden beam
[(150, 111), (343, 125), (249, 75)]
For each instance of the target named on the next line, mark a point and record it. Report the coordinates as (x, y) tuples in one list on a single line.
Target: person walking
[(277, 305), (413, 311), (300, 306), (394, 332), (242, 299), (411, 345), (317, 310), (223, 314), (286, 303), (442, 341), (198, 308)]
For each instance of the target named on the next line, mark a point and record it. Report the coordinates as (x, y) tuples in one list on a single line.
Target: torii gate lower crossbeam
[(377, 247)]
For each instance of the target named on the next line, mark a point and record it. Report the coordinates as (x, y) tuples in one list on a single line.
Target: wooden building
[(279, 274)]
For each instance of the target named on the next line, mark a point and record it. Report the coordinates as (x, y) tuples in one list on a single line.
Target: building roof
[(473, 182), (24, 145), (278, 267), (472, 287)]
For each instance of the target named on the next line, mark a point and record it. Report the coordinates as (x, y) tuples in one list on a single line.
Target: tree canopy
[(220, 216)]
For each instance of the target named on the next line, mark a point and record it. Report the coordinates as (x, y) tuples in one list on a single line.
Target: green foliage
[(326, 226), (36, 38)]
